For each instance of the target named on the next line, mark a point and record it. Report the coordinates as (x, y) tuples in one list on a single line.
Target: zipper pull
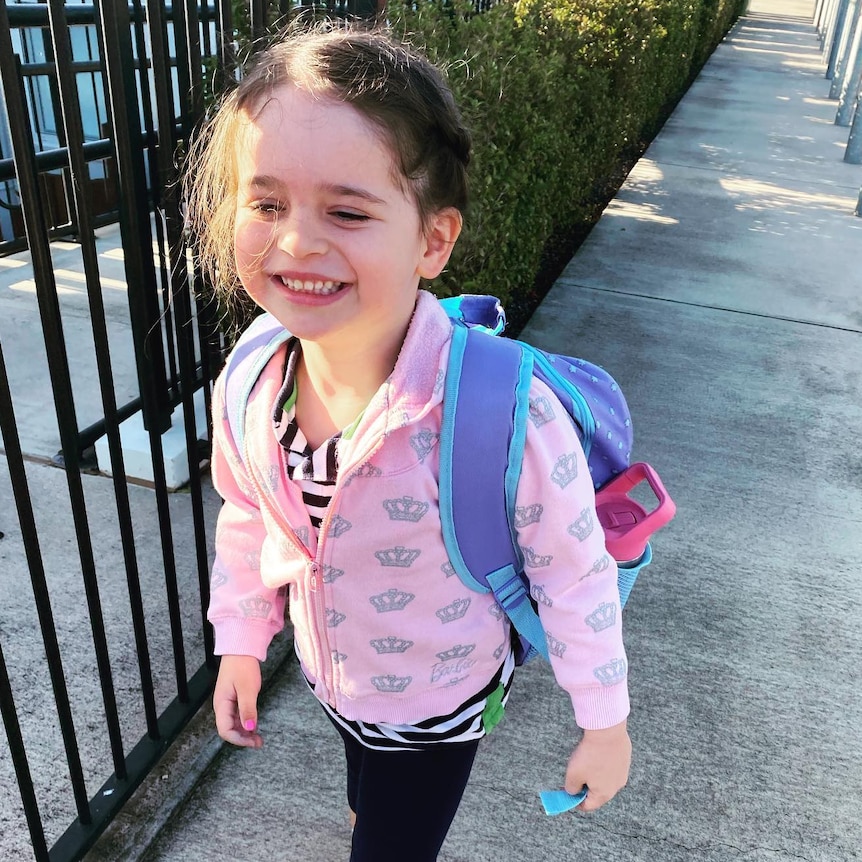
[(314, 571)]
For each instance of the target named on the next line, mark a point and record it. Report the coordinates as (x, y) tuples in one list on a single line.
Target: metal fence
[(839, 23), (98, 99)]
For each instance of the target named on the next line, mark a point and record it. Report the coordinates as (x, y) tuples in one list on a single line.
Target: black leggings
[(404, 801)]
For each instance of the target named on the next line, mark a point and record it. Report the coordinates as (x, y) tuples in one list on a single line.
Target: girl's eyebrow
[(264, 181)]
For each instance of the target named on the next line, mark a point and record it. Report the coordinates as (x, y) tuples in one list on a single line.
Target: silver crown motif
[(257, 607), (448, 569), (217, 579), (330, 574), (603, 617), (438, 381), (399, 556), (456, 652), (611, 673), (338, 526), (334, 618), (598, 566), (582, 528), (302, 535), (338, 657), (534, 560), (390, 644), (391, 600), (538, 593), (555, 646), (252, 560), (424, 442), (273, 477), (406, 509), (565, 470), (391, 684), (541, 411), (526, 515), (498, 653), (496, 611), (454, 611), (367, 471)]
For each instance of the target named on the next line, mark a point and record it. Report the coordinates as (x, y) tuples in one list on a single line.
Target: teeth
[(322, 288)]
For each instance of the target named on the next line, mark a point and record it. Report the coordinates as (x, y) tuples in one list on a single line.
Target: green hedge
[(556, 92)]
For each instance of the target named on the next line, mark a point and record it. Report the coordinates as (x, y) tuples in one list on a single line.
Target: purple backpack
[(485, 413)]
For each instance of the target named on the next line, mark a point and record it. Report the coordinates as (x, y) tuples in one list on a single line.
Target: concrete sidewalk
[(722, 288)]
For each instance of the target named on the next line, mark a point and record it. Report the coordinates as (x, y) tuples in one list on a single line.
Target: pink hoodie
[(385, 628)]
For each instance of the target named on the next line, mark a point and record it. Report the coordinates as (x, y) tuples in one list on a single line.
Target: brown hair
[(397, 89)]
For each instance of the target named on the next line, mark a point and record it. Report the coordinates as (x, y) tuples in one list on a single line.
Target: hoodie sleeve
[(244, 613), (573, 578)]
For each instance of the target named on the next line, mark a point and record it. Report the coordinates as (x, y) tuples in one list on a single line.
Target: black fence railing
[(90, 138)]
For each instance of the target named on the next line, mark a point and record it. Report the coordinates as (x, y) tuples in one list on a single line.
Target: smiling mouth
[(318, 288)]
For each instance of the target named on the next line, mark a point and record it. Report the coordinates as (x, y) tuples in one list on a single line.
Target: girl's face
[(326, 239)]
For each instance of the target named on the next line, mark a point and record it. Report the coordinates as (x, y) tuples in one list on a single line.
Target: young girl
[(331, 181)]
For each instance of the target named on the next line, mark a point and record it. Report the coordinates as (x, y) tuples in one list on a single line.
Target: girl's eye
[(266, 207), (349, 216)]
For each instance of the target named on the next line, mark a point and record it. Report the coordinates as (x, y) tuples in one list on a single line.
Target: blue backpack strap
[(481, 450), (256, 346)]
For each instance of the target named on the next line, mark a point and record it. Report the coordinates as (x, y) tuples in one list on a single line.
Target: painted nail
[(250, 725)]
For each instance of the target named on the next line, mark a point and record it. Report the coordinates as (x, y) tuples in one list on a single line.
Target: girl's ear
[(440, 237)]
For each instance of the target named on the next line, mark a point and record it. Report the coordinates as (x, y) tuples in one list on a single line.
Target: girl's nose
[(300, 235)]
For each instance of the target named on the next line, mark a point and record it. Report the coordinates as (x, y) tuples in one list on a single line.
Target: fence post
[(852, 76), (838, 38)]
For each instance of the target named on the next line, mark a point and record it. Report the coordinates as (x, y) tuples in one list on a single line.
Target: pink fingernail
[(250, 725)]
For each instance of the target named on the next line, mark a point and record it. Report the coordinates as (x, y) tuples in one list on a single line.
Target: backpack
[(485, 416), (481, 448)]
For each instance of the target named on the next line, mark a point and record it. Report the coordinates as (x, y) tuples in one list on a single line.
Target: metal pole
[(845, 54), (853, 153), (852, 77), (838, 37), (858, 211)]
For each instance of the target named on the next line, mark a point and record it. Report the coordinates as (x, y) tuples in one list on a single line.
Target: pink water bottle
[(627, 524)]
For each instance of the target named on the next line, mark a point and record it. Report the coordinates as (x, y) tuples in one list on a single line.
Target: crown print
[(526, 515), (390, 644), (555, 647), (498, 653), (338, 657), (257, 607), (538, 593), (496, 611), (405, 509), (217, 579), (391, 684), (611, 673), (438, 381), (456, 652), (367, 471), (424, 442), (603, 617), (565, 470), (582, 528), (302, 535), (598, 566), (534, 560), (338, 526), (541, 411), (272, 477), (334, 618), (330, 574), (391, 600), (454, 611), (252, 560), (399, 557), (448, 569)]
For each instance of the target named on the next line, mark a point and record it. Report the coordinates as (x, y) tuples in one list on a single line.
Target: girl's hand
[(235, 700), (601, 761)]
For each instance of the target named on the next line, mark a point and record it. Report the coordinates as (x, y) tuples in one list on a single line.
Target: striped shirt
[(315, 472)]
